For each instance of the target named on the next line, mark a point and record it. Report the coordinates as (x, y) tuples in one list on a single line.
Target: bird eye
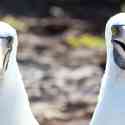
[(115, 30), (9, 38)]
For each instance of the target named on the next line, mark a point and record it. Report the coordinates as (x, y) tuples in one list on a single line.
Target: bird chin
[(4, 63), (2, 71)]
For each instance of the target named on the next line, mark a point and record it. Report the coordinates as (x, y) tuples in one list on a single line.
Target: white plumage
[(110, 109), (14, 104)]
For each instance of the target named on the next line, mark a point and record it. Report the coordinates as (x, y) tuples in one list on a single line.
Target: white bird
[(110, 109), (14, 104)]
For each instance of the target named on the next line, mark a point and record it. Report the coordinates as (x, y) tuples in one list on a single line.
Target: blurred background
[(61, 54)]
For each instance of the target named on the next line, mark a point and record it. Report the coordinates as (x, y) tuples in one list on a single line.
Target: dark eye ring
[(9, 38)]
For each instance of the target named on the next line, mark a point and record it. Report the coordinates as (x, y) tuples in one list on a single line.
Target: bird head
[(115, 40), (8, 46)]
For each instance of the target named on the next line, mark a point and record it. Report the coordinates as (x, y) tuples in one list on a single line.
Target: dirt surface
[(62, 82)]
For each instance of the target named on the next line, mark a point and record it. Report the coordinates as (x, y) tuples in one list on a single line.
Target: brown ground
[(62, 82)]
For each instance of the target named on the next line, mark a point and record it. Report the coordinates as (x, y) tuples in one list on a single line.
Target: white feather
[(110, 109), (14, 104)]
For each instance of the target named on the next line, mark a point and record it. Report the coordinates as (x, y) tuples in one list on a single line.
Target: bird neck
[(10, 78), (113, 80), (113, 72), (14, 104), (111, 101)]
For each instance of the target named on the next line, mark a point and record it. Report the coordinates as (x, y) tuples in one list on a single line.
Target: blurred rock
[(62, 82)]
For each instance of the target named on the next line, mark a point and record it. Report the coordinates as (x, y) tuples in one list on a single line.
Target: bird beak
[(118, 41), (5, 49)]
